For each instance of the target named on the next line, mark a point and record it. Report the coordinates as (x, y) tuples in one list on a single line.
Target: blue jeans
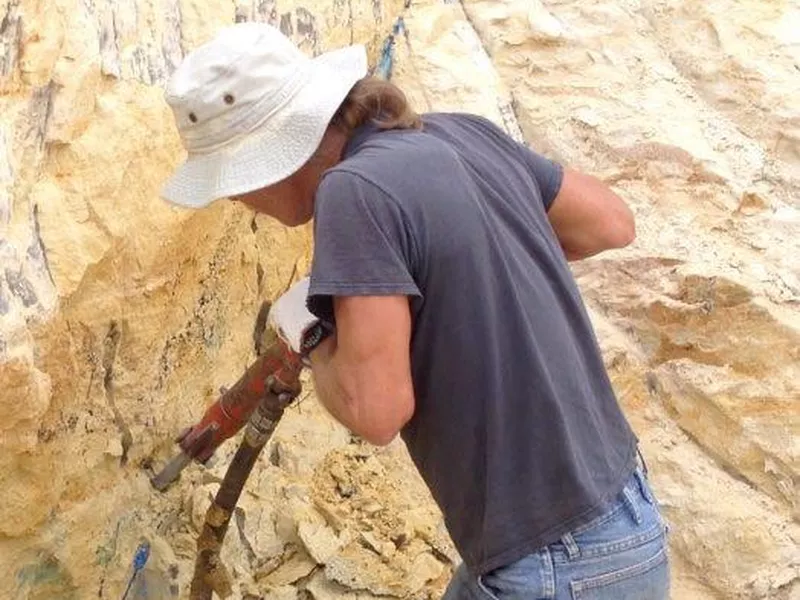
[(620, 555)]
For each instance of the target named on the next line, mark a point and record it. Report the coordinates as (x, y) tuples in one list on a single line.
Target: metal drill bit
[(170, 472)]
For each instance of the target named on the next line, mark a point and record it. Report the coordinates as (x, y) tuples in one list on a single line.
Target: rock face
[(120, 317)]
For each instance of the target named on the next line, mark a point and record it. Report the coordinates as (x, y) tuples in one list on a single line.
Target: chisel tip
[(162, 480)]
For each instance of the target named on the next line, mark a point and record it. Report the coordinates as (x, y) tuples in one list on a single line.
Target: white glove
[(290, 318)]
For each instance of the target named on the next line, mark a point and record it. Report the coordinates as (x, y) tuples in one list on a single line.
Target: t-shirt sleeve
[(547, 173), (363, 244)]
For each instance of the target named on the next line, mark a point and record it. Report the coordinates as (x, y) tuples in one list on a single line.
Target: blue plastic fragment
[(141, 556), (139, 561), (386, 61)]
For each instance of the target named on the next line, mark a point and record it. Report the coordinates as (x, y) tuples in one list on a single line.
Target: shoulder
[(348, 181), (387, 163), (356, 199), (464, 123), (383, 152)]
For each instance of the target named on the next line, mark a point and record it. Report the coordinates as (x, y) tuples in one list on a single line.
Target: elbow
[(379, 437), (624, 232), (615, 235), (382, 427), (620, 228)]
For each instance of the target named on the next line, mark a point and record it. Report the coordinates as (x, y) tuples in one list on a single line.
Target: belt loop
[(630, 502), (644, 488), (641, 458), (573, 551)]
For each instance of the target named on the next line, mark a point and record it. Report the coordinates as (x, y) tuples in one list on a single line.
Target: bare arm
[(588, 217), (363, 374)]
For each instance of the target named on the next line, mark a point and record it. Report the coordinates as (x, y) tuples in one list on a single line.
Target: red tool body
[(277, 370)]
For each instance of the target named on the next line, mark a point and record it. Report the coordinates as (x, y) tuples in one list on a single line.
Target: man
[(440, 271)]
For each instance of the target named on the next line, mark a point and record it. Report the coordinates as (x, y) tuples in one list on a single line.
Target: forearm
[(327, 386), (358, 391), (362, 372)]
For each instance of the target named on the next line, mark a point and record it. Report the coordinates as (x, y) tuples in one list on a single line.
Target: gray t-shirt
[(516, 431)]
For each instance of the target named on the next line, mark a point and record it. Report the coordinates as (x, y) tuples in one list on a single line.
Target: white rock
[(319, 539)]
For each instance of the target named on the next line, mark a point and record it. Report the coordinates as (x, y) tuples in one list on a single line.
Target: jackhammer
[(258, 400)]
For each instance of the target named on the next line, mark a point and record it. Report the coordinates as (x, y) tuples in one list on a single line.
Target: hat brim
[(279, 147)]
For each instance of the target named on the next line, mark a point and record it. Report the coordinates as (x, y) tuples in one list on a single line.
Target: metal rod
[(210, 575)]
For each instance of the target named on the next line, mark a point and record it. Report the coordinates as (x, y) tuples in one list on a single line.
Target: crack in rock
[(40, 109), (307, 29), (152, 60), (110, 347), (21, 288), (260, 326), (36, 251), (108, 37), (10, 38), (171, 43), (286, 24), (4, 307), (267, 10)]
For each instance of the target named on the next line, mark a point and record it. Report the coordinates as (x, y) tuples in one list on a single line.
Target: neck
[(330, 149)]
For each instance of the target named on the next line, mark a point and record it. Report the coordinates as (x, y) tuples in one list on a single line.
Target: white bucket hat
[(251, 109)]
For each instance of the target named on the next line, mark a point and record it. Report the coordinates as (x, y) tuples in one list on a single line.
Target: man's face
[(290, 201)]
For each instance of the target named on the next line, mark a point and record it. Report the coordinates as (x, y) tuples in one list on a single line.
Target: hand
[(289, 316)]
